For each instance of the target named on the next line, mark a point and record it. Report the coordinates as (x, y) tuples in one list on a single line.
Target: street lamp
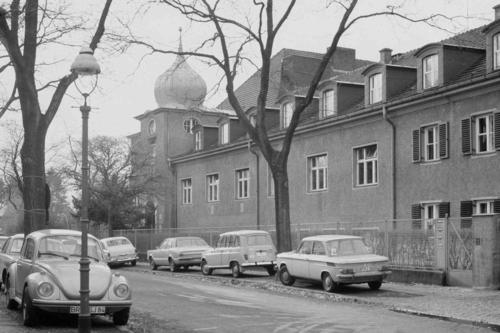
[(87, 69)]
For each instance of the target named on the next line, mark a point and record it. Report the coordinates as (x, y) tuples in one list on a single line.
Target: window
[(318, 249), (318, 172), (428, 212), (430, 71), (213, 187), (186, 191), (152, 127), (430, 143), (306, 247), (242, 183), (153, 150), (483, 138), (189, 125), (286, 114), (496, 51), (375, 86), (29, 249), (224, 133), (197, 140), (483, 207), (430, 215), (327, 103), (366, 165), (270, 183)]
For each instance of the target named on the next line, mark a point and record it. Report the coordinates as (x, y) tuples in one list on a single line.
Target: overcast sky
[(127, 81)]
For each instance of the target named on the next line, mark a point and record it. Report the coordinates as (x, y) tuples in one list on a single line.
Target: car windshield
[(67, 246), (346, 247), (259, 240), (117, 242), (191, 242), (16, 245), (2, 241)]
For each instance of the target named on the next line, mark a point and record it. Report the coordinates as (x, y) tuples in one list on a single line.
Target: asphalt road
[(178, 303)]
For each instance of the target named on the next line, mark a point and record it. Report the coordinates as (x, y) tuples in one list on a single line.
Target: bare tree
[(10, 168), (233, 37), (26, 28)]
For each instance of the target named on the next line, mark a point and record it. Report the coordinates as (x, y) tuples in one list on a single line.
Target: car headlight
[(45, 289), (121, 290)]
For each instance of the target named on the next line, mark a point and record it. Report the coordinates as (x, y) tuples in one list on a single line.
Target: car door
[(229, 253), (317, 260), (162, 252), (300, 262), (24, 265), (216, 256)]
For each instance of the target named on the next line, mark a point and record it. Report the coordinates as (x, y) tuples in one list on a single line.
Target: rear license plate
[(93, 309)]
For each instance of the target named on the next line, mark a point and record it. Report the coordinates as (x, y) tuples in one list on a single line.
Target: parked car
[(9, 253), (119, 250), (46, 277), (239, 250), (178, 252), (334, 260)]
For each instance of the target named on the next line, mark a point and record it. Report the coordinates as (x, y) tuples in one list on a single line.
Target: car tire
[(29, 312), (271, 270), (9, 303), (172, 265), (133, 262), (285, 277), (235, 270), (153, 264), (205, 270), (121, 317), (375, 285), (328, 284)]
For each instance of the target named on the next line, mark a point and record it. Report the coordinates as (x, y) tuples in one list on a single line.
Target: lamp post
[(87, 69)]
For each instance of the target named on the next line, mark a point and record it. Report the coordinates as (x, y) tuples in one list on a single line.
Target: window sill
[(485, 154), (433, 162), (365, 186), (317, 191)]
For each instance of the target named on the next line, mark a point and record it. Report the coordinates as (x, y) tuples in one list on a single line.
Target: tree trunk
[(110, 222), (282, 209), (33, 165)]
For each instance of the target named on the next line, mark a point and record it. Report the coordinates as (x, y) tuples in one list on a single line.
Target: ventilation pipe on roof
[(497, 12), (385, 56)]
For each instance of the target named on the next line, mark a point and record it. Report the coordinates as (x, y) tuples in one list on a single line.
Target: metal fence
[(407, 243)]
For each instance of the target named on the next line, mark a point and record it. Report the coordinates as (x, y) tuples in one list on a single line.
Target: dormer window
[(197, 140), (224, 133), (189, 124), (375, 86), (152, 127), (286, 114), (327, 103), (496, 51), (430, 71)]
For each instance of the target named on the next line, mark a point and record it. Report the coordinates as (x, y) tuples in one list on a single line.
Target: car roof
[(185, 237), (17, 236), (116, 237), (55, 232), (326, 238), (245, 232)]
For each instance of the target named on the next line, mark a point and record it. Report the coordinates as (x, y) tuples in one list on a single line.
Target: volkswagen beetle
[(46, 277)]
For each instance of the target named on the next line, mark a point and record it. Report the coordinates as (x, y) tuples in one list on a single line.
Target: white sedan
[(334, 260)]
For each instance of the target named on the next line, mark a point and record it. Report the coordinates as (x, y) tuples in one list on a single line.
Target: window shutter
[(497, 130), (416, 216), (466, 136), (443, 140), (416, 146), (465, 208), (444, 210), (496, 206)]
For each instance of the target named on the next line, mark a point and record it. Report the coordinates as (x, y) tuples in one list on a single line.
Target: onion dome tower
[(180, 87)]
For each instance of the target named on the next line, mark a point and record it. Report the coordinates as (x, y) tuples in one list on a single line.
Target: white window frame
[(496, 51), (242, 187), (360, 154), (187, 191), (152, 127), (488, 134), (487, 204), (317, 170), (328, 103), (270, 183), (153, 150), (197, 140), (286, 114), (375, 87), (431, 146), (213, 187), (224, 133), (430, 71), (430, 211), (189, 124)]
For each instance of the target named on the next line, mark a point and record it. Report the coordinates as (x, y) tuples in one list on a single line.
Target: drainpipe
[(257, 187), (174, 213), (393, 158)]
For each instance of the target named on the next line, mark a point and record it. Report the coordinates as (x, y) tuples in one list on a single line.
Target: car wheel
[(205, 270), (133, 262), (285, 276), (121, 317), (235, 270), (30, 313), (328, 283), (173, 266), (375, 285), (271, 270), (9, 303), (152, 264)]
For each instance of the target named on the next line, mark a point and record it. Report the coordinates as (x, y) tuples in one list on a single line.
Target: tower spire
[(180, 39)]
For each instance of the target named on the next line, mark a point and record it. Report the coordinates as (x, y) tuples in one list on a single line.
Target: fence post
[(386, 238), (135, 237)]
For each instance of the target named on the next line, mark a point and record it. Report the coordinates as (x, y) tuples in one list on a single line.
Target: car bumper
[(64, 306), (361, 277), (188, 261), (121, 260), (257, 263)]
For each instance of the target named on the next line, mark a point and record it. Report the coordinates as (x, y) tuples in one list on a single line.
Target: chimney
[(497, 12), (385, 56)]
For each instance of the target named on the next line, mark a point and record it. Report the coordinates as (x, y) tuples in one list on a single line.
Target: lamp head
[(85, 63)]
